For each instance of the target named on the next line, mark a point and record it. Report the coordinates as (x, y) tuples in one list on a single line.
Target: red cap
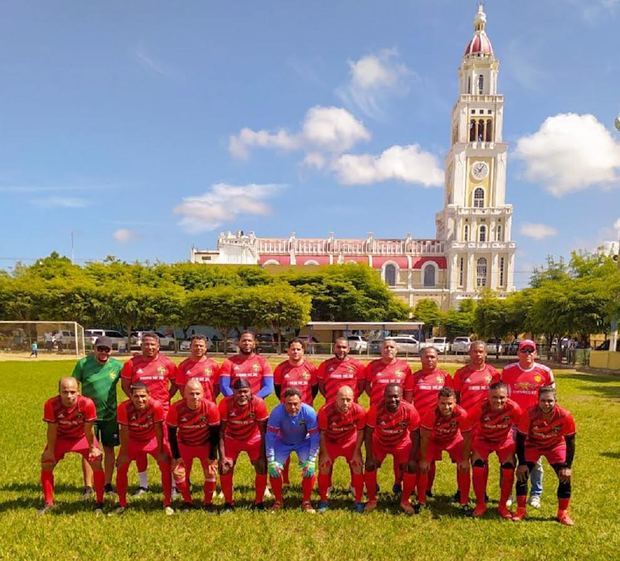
[(527, 344)]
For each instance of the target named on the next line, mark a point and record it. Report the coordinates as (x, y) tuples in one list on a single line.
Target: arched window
[(482, 233), (429, 275), (472, 130), (489, 131), (480, 83), (481, 272), (479, 197), (500, 233), (466, 232), (389, 274), (480, 130)]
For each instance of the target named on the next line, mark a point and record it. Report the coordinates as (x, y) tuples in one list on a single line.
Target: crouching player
[(546, 430), (141, 421), (341, 426), (194, 432), (70, 418), (392, 427), (446, 428), (292, 427), (491, 422)]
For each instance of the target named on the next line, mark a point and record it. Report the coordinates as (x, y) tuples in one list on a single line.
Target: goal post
[(42, 337)]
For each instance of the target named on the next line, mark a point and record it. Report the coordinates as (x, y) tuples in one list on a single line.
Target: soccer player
[(158, 373), (340, 370), (198, 366), (341, 425), (392, 427), (546, 430), (243, 419), (70, 418), (292, 427), (471, 382), (491, 422), (296, 372), (141, 420), (98, 375), (524, 378), (194, 432), (445, 428), (247, 364)]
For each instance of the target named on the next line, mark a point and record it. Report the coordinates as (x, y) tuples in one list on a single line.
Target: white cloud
[(124, 235), (223, 203), (570, 152), (537, 231), (239, 146), (401, 163), (617, 225), (62, 202)]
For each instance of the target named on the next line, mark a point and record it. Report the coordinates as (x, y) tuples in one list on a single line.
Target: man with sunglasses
[(524, 378), (98, 374)]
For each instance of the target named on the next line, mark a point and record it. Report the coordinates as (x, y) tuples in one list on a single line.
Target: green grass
[(146, 533)]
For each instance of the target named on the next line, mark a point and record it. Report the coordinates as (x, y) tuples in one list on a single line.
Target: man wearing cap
[(524, 378), (98, 375)]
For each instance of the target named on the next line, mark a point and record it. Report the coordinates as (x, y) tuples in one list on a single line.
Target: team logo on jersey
[(161, 370), (112, 375), (202, 419), (398, 373), (538, 378), (184, 419), (440, 379), (488, 378), (305, 375), (207, 371), (256, 367)]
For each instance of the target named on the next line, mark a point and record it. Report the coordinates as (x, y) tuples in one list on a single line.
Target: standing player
[(70, 418), (392, 427), (546, 430), (158, 373), (198, 366), (248, 365), (524, 378), (98, 375), (341, 425), (340, 370), (491, 422), (471, 382), (445, 428), (194, 431), (243, 418), (292, 427), (141, 420)]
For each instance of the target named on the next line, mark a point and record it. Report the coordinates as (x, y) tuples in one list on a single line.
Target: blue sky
[(147, 127)]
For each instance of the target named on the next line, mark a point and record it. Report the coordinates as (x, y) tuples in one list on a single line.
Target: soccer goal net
[(42, 337)]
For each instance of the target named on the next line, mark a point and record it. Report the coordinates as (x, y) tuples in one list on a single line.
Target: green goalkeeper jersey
[(99, 380)]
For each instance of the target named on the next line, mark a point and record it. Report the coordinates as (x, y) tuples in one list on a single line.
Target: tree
[(427, 311), (491, 318)]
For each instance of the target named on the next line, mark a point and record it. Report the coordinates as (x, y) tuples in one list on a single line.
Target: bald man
[(70, 418)]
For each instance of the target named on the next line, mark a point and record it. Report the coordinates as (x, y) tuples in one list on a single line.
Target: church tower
[(475, 223)]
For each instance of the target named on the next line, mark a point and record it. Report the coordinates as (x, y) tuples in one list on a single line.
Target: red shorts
[(454, 448), (188, 453), (76, 445), (253, 447), (400, 452), (337, 450), (556, 455), (139, 449), (505, 450)]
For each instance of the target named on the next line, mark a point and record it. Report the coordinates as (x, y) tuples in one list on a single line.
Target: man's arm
[(123, 453), (266, 388), (566, 471), (225, 386), (370, 459), (174, 442), (522, 471), (214, 439), (425, 435), (52, 435), (464, 464)]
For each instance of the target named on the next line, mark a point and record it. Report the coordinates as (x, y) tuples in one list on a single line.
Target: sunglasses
[(527, 351), (104, 349)]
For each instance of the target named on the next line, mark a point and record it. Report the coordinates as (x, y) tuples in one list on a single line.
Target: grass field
[(145, 533)]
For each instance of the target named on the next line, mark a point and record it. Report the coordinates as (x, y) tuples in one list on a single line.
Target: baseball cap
[(527, 344), (103, 342)]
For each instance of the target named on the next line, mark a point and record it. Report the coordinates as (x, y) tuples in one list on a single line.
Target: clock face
[(479, 170)]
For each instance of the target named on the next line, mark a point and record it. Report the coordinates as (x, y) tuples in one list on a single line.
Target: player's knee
[(325, 465), (508, 465), (47, 465), (260, 467), (479, 463)]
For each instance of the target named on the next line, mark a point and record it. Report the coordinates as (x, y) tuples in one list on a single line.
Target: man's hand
[(94, 454), (424, 466), (523, 472), (565, 474), (371, 463), (163, 457), (48, 457), (356, 459), (463, 466), (308, 468), (178, 469), (226, 464), (274, 469)]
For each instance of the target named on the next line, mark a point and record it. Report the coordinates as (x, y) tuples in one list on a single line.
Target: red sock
[(285, 467), (276, 487), (409, 481), (166, 481), (370, 478), (260, 483), (464, 481), (121, 484), (480, 476), (324, 483), (226, 481), (142, 463), (209, 487), (358, 486), (422, 485), (521, 501), (47, 482), (99, 481), (563, 504), (508, 479), (307, 484)]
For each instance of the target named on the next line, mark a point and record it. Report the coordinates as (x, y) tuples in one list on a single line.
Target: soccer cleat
[(465, 509), (258, 506), (407, 508), (397, 488), (306, 506), (117, 511), (168, 511), (140, 491), (98, 510), (46, 509), (359, 507), (186, 507), (370, 506), (175, 493), (277, 506), (479, 511), (110, 491), (418, 508), (267, 494), (323, 507), (520, 514), (209, 507), (88, 493), (534, 501), (456, 498), (429, 494), (564, 518), (504, 512), (509, 501), (227, 508)]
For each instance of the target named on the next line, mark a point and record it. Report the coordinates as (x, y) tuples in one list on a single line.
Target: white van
[(119, 342)]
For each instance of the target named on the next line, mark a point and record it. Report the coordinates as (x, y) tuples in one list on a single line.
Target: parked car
[(460, 345), (407, 344), (63, 339), (494, 347), (357, 344), (165, 342), (266, 343), (440, 343), (604, 346), (119, 341)]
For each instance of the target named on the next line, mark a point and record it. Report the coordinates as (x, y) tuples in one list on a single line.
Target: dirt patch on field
[(25, 356)]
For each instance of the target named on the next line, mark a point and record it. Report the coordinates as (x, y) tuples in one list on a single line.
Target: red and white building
[(473, 248)]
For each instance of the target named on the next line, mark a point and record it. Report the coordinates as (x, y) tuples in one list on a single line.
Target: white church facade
[(472, 250)]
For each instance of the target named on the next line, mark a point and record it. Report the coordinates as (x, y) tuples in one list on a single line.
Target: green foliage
[(427, 311)]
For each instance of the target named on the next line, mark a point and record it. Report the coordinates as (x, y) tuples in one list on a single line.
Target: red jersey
[(156, 373), (425, 388), (193, 424), (70, 420), (546, 432), (141, 424), (445, 428), (378, 375), (303, 377), (251, 367), (334, 373), (391, 429), (339, 427), (494, 426), (242, 422), (206, 371), (523, 384), (473, 385)]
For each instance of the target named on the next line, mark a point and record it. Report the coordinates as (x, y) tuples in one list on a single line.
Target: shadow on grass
[(604, 386), (36, 487), (612, 455)]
